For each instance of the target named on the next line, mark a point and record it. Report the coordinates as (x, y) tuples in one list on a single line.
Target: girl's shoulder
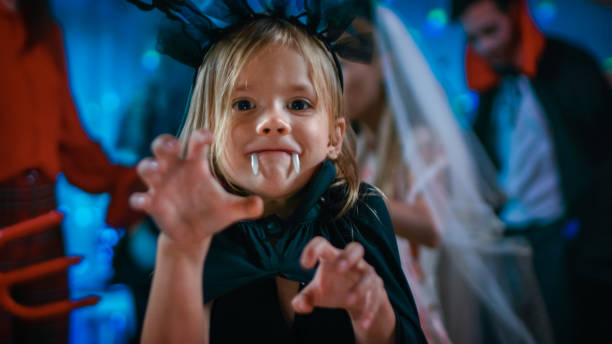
[(369, 197), (370, 208), (368, 215)]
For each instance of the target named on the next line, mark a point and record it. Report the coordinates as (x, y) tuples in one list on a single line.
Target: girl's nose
[(273, 123)]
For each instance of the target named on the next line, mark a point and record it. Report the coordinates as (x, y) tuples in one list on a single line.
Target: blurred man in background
[(545, 119)]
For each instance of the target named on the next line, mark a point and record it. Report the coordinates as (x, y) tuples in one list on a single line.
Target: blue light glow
[(143, 247), (546, 12), (93, 109), (436, 22), (110, 101), (83, 217), (466, 102), (118, 322), (415, 33), (150, 60), (571, 229), (64, 209), (109, 237), (104, 256)]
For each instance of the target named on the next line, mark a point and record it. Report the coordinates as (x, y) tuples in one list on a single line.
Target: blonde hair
[(210, 106), (390, 168)]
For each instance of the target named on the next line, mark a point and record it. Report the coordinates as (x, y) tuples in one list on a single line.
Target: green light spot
[(608, 64), (437, 18)]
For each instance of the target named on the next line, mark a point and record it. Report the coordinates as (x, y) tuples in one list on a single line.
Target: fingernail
[(366, 323), (202, 136), (153, 165), (171, 144), (342, 265), (137, 200)]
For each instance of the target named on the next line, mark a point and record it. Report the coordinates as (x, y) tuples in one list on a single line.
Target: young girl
[(267, 235)]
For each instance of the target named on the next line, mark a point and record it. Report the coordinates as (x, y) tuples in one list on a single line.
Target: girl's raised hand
[(343, 280), (183, 197)]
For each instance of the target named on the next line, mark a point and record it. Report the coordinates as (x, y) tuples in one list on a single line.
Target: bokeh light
[(466, 102), (436, 22), (546, 12), (150, 60), (104, 256), (143, 247), (93, 109), (608, 64), (110, 101), (109, 237), (83, 217)]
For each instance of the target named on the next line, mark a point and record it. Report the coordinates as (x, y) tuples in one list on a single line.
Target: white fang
[(296, 162), (254, 164)]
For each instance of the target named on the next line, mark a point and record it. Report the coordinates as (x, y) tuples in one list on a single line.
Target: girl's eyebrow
[(300, 87), (297, 87), (241, 88)]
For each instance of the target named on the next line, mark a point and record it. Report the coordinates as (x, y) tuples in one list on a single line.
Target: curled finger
[(198, 145), (370, 290), (140, 201), (166, 149), (350, 256), (150, 172), (358, 292), (304, 301), (318, 248), (374, 302), (363, 266)]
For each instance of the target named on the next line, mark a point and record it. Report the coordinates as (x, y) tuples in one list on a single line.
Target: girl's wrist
[(382, 326), (194, 252)]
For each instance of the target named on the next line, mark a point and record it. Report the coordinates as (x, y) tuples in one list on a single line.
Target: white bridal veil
[(485, 284)]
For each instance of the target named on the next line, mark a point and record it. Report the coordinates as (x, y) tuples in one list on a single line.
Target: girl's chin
[(278, 188), (274, 183), (272, 190)]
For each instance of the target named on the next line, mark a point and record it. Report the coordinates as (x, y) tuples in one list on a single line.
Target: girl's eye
[(243, 105), (299, 104)]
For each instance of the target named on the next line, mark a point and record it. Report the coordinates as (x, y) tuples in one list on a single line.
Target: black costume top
[(244, 260)]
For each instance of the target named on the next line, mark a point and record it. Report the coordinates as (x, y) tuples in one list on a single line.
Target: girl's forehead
[(278, 65), (275, 55)]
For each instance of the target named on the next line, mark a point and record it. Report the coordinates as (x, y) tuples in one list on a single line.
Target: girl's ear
[(337, 136)]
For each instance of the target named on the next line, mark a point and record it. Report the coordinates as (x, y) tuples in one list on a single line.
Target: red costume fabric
[(40, 127), (22, 198), (41, 136)]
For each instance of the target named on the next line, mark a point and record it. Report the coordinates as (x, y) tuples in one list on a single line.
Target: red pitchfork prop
[(10, 278)]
